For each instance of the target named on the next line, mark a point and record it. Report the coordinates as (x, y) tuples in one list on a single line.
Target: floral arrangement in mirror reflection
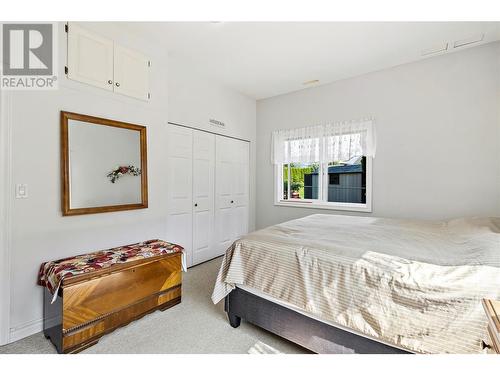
[(120, 171)]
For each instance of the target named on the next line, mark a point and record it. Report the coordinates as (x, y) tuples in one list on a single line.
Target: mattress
[(416, 285)]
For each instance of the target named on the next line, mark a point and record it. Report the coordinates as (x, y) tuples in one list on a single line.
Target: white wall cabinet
[(90, 58), (131, 73), (207, 192), (100, 62)]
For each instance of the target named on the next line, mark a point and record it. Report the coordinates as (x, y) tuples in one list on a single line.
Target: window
[(300, 181), (318, 169), (334, 178), (347, 181), (334, 185)]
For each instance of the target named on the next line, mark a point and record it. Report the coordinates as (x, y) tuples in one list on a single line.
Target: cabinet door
[(90, 58), (224, 201), (203, 196), (180, 183), (131, 73)]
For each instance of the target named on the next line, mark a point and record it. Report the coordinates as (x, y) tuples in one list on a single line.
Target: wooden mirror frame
[(66, 209)]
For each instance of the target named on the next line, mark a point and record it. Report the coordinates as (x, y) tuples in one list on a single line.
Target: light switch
[(21, 191)]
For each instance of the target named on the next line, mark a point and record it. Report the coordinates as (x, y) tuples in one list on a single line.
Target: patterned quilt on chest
[(52, 273)]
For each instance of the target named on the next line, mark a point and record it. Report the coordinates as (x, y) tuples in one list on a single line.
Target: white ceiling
[(266, 59)]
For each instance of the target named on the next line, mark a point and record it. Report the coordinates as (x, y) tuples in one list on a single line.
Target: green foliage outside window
[(297, 181)]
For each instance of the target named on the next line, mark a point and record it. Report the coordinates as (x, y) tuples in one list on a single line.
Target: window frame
[(323, 192)]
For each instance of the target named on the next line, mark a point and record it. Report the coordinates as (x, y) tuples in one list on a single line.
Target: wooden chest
[(90, 305)]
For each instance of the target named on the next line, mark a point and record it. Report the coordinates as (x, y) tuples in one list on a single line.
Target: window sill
[(356, 207)]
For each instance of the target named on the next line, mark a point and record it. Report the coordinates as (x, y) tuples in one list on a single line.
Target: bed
[(347, 284)]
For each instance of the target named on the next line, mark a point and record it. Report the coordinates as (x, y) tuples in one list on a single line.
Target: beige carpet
[(194, 326)]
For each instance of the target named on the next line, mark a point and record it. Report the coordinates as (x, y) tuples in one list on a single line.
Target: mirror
[(104, 166)]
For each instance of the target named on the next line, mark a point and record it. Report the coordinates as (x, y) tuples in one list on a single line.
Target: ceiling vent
[(467, 41), (311, 82), (436, 49)]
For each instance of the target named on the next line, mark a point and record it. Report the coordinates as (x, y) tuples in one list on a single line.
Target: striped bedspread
[(416, 285)]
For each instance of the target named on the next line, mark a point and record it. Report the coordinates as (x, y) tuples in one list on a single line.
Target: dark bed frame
[(307, 332)]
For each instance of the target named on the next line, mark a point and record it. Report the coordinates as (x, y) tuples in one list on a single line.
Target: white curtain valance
[(324, 143)]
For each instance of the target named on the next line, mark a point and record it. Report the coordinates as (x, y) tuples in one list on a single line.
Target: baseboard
[(206, 261), (25, 330)]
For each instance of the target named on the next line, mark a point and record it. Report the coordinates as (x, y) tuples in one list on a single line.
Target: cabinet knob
[(117, 84), (232, 201), (196, 204), (110, 82)]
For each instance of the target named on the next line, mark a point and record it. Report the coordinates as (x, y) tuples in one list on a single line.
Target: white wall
[(194, 100), (438, 130), (39, 231)]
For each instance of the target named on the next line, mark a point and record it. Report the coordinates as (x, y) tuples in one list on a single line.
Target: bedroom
[(309, 187)]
